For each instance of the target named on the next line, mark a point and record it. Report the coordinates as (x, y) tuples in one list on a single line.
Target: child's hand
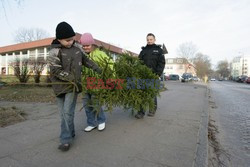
[(70, 77), (98, 70)]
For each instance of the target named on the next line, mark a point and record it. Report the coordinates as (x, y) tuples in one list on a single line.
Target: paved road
[(233, 117), (170, 139)]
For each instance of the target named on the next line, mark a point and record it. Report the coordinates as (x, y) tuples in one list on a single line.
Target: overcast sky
[(219, 28)]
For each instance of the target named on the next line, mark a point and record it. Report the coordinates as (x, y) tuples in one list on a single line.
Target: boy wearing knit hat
[(65, 60)]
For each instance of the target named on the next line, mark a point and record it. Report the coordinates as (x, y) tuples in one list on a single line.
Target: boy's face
[(67, 43), (87, 48), (150, 40)]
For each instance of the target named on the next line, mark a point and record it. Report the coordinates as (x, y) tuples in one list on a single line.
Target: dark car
[(174, 77), (241, 79), (186, 77), (248, 80), (165, 77)]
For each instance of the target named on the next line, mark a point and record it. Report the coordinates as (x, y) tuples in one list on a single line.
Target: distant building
[(178, 66), (240, 66), (236, 68), (39, 50)]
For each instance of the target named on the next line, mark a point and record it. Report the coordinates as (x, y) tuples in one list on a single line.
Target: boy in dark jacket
[(153, 57), (65, 61)]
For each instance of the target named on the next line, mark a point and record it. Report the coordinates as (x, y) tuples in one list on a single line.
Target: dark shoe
[(151, 114), (139, 116), (64, 147)]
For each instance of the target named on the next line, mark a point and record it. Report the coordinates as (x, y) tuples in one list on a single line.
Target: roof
[(26, 45), (47, 42)]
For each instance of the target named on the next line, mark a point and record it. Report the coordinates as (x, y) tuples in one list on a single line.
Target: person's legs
[(151, 113), (100, 116), (155, 103), (60, 104), (70, 104), (89, 112), (140, 114), (66, 106), (101, 119)]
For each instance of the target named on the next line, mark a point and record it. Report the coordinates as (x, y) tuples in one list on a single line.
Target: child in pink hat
[(95, 119)]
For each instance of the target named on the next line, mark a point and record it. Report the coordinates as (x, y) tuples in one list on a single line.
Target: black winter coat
[(153, 57)]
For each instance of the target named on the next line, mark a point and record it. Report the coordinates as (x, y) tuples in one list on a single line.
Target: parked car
[(186, 77), (174, 77), (241, 78), (195, 78), (248, 80), (165, 78), (212, 79)]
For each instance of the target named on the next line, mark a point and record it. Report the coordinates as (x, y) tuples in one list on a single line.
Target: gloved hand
[(98, 70), (70, 77)]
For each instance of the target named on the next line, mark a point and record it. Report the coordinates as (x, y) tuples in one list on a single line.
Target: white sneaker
[(89, 128), (101, 126)]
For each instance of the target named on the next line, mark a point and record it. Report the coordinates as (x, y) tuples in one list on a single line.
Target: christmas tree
[(129, 84)]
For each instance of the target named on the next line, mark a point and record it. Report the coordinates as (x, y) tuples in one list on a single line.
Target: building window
[(3, 61), (170, 61), (24, 52), (114, 56), (40, 52), (32, 54), (179, 61), (17, 53)]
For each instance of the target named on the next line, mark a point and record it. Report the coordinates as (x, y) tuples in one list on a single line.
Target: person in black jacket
[(153, 57)]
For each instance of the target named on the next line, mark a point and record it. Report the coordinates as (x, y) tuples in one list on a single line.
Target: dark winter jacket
[(153, 57), (65, 67)]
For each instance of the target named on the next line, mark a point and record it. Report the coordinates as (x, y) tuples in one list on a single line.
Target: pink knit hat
[(87, 39)]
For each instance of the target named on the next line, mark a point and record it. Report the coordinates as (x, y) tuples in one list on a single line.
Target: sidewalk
[(168, 139)]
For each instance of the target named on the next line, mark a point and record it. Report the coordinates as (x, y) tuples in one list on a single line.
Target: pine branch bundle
[(122, 85)]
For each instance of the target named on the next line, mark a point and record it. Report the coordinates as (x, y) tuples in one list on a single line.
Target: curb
[(201, 154)]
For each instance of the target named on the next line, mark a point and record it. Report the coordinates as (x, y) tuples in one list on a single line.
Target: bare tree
[(223, 68), (187, 50), (37, 68), (202, 64), (21, 69), (30, 34), (5, 3)]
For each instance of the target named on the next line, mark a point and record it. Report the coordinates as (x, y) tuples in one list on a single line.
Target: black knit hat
[(64, 30)]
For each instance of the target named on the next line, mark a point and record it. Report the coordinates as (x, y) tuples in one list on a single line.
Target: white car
[(212, 79)]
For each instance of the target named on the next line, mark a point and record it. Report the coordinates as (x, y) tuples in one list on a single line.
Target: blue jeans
[(94, 118), (66, 104)]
